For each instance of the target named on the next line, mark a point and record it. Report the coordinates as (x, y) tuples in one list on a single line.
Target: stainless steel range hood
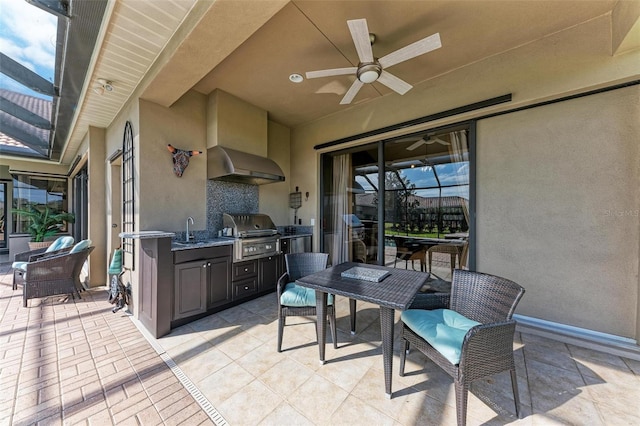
[(236, 166)]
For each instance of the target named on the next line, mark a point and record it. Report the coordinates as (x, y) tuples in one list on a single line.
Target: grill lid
[(249, 225)]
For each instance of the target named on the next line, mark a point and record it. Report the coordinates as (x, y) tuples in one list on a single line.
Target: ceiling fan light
[(368, 73)]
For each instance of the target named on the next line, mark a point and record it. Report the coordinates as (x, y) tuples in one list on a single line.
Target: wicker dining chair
[(295, 300), (468, 333), (454, 252)]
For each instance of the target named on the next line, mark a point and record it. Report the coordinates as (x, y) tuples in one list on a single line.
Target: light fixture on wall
[(105, 85)]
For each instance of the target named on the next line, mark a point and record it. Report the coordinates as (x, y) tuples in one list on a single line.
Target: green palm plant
[(44, 222)]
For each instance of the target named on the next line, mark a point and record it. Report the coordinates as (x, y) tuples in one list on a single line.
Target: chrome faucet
[(188, 236)]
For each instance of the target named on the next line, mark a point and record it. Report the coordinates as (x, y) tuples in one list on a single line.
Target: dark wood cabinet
[(245, 279), (219, 292), (190, 289), (202, 281), (268, 272)]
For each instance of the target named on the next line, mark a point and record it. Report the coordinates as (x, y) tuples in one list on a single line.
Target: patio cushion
[(60, 243), (295, 295), (116, 263), (82, 245), (443, 329), (20, 265)]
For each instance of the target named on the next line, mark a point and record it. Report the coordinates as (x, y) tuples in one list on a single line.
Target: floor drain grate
[(213, 414)]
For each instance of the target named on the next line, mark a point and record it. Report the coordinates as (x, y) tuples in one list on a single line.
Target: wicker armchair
[(50, 276), (60, 245), (486, 347), (298, 266)]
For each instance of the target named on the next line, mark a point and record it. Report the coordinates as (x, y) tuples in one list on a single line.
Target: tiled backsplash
[(229, 197)]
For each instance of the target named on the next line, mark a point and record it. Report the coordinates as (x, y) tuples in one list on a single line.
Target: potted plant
[(44, 223)]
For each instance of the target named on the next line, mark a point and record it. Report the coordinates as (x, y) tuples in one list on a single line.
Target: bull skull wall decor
[(180, 159)]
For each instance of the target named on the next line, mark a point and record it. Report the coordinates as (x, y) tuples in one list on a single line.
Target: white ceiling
[(249, 48)]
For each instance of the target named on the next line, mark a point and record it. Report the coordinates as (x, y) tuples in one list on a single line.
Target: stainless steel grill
[(255, 236)]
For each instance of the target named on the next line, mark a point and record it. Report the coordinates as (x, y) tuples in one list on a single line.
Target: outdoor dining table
[(396, 291)]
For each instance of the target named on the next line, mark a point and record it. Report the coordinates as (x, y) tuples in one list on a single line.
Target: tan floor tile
[(286, 376), (318, 398), (262, 401), (260, 359), (239, 345), (219, 386), (204, 363), (355, 411), (285, 414)]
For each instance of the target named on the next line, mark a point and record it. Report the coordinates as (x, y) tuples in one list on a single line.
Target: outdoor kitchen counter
[(301, 234), (222, 241)]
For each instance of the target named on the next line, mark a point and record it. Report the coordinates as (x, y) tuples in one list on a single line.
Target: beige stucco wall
[(166, 200), (581, 60), (273, 197), (97, 211), (557, 208)]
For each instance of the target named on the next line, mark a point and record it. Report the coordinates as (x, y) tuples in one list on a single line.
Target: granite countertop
[(220, 241), (301, 234), (147, 234)]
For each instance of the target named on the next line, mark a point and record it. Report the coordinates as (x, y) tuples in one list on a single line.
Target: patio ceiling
[(160, 50)]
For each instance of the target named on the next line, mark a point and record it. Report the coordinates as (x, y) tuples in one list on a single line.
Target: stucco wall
[(274, 197), (165, 200), (557, 208)]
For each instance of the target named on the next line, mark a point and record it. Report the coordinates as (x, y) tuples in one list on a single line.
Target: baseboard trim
[(603, 342)]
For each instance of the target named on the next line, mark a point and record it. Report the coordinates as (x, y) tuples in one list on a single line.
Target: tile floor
[(66, 362)]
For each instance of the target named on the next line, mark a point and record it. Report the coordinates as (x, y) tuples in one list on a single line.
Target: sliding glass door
[(349, 218), (421, 201)]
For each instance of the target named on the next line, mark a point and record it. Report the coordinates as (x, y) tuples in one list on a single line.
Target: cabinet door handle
[(204, 265), (246, 269), (246, 287), (208, 263)]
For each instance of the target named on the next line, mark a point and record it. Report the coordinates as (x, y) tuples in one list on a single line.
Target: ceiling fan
[(371, 69), (431, 140)]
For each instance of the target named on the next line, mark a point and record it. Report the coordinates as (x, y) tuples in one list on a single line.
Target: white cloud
[(28, 34)]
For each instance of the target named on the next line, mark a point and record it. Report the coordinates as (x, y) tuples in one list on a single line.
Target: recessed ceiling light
[(296, 78)]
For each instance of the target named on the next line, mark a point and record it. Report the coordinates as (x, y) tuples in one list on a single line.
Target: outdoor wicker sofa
[(54, 275), (471, 328)]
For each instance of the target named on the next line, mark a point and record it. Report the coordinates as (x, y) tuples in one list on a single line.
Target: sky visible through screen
[(28, 36), (423, 177)]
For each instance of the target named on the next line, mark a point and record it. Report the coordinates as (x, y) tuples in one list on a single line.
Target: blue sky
[(27, 35)]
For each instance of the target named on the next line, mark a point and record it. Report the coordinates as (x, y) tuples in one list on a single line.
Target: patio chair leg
[(516, 395), (281, 321), (403, 357), (462, 393)]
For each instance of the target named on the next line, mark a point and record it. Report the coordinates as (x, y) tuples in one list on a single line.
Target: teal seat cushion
[(443, 329), (60, 243), (116, 263), (82, 245), (19, 265), (298, 296)]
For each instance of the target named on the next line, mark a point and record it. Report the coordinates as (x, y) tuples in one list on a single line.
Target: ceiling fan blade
[(352, 92), (416, 144), (330, 72), (418, 48), (360, 34), (394, 83), (438, 140)]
